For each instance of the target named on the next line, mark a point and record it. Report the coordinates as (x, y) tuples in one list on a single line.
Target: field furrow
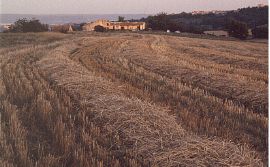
[(192, 93), (128, 99)]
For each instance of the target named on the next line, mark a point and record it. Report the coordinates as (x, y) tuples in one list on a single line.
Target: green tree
[(158, 22), (237, 29), (121, 18), (33, 25), (164, 22)]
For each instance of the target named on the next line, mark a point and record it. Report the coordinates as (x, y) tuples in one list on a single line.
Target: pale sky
[(119, 6)]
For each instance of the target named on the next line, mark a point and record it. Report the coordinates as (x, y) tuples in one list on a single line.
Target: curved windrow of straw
[(139, 133), (206, 97)]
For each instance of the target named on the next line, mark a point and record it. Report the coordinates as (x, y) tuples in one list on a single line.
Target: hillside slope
[(132, 100)]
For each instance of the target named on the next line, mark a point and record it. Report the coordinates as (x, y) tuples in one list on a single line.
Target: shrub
[(237, 29), (24, 25), (192, 29), (99, 28), (260, 32), (121, 18)]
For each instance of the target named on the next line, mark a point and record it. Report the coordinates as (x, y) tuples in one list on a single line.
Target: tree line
[(25, 25), (236, 23)]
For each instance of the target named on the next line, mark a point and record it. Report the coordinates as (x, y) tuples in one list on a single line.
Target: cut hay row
[(215, 64), (95, 111), (45, 122), (222, 85), (204, 109), (141, 128)]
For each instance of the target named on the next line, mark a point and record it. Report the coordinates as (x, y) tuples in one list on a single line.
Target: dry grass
[(91, 100)]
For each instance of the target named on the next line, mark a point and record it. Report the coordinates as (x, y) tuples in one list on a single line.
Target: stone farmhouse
[(109, 25)]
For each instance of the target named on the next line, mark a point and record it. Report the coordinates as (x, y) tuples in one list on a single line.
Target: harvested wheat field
[(129, 99)]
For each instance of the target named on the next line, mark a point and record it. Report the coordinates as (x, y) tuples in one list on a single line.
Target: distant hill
[(253, 16)]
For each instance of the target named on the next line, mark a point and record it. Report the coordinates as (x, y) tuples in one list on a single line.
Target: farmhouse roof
[(127, 23)]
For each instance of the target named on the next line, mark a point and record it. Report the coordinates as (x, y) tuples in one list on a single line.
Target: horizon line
[(79, 14), (128, 13)]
